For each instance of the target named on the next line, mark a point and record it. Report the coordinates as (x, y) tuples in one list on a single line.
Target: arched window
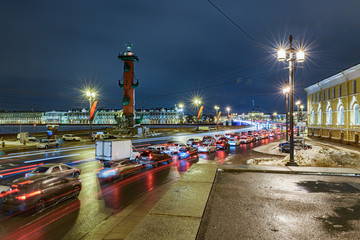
[(312, 116), (319, 117), (329, 116), (356, 114), (341, 115)]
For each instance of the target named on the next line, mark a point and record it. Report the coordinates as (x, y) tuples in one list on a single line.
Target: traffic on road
[(42, 190)]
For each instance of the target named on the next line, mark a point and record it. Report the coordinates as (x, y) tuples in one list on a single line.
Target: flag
[(200, 110), (92, 111)]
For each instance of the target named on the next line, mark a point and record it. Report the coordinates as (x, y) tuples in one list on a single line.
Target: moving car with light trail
[(120, 169), (175, 147), (46, 143), (187, 152), (55, 169), (70, 137), (40, 191), (154, 158), (207, 148), (234, 142)]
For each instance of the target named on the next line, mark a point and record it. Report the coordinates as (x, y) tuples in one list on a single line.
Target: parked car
[(234, 142), (39, 191), (55, 169), (46, 143), (70, 137), (104, 136), (206, 147), (187, 152), (120, 169), (285, 148), (29, 137), (154, 158)]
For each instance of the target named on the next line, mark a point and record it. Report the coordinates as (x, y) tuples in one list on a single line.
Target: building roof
[(351, 73)]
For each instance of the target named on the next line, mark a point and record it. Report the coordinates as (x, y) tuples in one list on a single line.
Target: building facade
[(333, 106)]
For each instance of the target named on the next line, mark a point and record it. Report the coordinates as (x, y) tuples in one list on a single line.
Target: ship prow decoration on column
[(128, 86)]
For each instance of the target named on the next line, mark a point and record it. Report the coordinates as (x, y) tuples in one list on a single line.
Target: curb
[(351, 172)]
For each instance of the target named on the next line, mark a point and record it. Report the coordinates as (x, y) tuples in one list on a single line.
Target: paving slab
[(255, 168), (184, 199), (159, 227), (325, 170), (200, 173)]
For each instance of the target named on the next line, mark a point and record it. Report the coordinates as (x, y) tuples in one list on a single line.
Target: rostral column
[(128, 85)]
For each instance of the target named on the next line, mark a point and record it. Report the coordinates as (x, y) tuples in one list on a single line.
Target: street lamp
[(91, 94), (197, 103), (217, 110), (286, 91), (297, 103), (288, 55), (228, 112), (301, 116), (181, 110)]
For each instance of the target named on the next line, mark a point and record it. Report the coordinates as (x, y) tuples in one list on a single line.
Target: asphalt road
[(98, 200)]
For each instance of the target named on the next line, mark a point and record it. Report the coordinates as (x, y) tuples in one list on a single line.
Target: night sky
[(52, 50)]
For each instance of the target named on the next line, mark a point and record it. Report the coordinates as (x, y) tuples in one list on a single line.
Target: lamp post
[(228, 112), (286, 91), (181, 110), (90, 93), (217, 110), (289, 55), (197, 103), (297, 103), (301, 116)]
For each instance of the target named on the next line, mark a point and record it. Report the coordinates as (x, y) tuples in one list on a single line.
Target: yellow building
[(333, 107)]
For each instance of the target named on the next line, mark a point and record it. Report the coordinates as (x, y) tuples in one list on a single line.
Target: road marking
[(47, 159)]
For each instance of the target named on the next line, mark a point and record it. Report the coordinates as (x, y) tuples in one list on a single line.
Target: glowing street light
[(181, 111), (197, 103), (217, 110), (91, 94), (290, 55)]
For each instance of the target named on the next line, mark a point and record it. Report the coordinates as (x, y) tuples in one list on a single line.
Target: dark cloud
[(51, 50)]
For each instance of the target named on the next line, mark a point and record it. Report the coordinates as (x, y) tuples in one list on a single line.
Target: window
[(56, 169), (341, 115), (328, 93), (312, 117), (324, 95), (356, 114), (319, 96), (329, 116), (354, 86), (339, 90), (319, 117), (334, 95), (312, 98)]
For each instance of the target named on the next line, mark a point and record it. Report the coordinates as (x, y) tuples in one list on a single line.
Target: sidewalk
[(180, 212)]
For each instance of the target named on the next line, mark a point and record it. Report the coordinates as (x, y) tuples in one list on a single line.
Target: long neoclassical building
[(333, 106)]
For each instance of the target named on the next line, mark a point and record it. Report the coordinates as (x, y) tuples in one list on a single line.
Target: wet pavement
[(98, 200), (248, 205)]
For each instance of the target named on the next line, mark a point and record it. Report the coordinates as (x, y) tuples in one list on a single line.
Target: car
[(244, 140), (55, 169), (186, 152), (104, 136), (39, 191), (196, 143), (217, 136), (234, 142), (206, 147), (29, 137), (160, 148), (70, 137), (285, 148), (46, 143), (189, 141), (210, 140), (120, 169), (222, 144), (174, 148), (154, 158), (284, 143)]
